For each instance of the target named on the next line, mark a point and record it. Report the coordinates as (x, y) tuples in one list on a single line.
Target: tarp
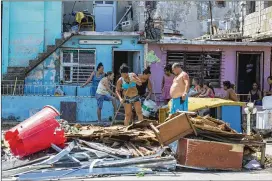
[(196, 104)]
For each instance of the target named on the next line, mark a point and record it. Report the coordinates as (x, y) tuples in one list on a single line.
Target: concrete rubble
[(202, 143)]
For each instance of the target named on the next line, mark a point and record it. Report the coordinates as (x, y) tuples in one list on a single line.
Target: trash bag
[(148, 107)]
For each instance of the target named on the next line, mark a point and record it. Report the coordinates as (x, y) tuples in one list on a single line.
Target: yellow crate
[(163, 114)]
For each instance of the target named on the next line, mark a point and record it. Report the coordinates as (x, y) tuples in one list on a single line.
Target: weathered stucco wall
[(28, 27), (21, 107), (228, 65), (191, 18), (258, 22), (48, 73)]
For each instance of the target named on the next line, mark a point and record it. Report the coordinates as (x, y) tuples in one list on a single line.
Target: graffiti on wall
[(151, 57)]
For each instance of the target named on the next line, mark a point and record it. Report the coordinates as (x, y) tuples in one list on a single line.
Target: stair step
[(41, 55), (12, 82), (58, 42), (16, 69), (50, 48), (33, 62), (13, 77)]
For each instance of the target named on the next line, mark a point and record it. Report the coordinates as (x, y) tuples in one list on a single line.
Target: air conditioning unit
[(127, 26)]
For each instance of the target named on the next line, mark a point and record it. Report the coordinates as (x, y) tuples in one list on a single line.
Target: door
[(136, 62), (248, 71), (104, 15)]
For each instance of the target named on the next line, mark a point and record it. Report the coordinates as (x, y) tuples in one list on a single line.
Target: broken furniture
[(173, 129), (226, 110), (210, 154)]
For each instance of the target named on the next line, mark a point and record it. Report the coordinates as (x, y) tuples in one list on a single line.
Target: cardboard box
[(210, 154)]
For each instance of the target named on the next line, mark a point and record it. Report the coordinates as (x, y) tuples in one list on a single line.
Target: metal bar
[(55, 147), (24, 169), (15, 86), (58, 156), (83, 173), (100, 154)]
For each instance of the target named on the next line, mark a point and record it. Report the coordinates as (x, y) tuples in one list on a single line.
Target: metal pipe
[(15, 86)]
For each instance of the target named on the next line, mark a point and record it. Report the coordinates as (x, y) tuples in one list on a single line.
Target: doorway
[(131, 58), (248, 71)]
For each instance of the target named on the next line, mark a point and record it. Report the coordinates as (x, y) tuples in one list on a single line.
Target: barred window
[(203, 65), (221, 4), (77, 65)]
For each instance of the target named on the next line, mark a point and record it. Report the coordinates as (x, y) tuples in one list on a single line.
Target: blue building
[(37, 58)]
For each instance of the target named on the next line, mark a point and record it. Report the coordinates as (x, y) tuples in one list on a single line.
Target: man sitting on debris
[(230, 93), (179, 90), (128, 82), (103, 93)]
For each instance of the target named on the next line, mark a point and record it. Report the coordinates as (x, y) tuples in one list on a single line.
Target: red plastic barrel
[(36, 133)]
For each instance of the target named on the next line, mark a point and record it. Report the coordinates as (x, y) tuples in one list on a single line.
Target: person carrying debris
[(103, 93), (128, 82), (179, 90), (95, 77), (146, 84)]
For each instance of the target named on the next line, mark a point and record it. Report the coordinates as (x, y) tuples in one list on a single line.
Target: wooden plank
[(68, 111)]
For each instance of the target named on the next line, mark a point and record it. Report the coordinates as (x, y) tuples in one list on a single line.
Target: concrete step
[(58, 42), (13, 76), (50, 48), (12, 82), (33, 62), (16, 69), (42, 55)]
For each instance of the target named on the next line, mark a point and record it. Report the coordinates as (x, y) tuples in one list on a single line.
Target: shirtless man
[(231, 95), (179, 90)]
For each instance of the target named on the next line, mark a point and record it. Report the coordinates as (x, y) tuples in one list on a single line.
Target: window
[(251, 6), (150, 4), (220, 4), (108, 2), (98, 2), (77, 65), (268, 4), (204, 65)]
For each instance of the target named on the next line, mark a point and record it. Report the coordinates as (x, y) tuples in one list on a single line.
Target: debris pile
[(142, 148)]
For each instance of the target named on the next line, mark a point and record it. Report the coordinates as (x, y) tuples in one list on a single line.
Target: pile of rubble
[(144, 147)]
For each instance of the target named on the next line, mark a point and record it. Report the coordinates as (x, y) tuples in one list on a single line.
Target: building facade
[(257, 20), (193, 18), (216, 62), (34, 43)]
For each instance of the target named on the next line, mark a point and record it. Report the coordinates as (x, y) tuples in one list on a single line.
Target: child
[(167, 81)]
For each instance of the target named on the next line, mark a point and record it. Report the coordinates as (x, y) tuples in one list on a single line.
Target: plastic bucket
[(36, 133)]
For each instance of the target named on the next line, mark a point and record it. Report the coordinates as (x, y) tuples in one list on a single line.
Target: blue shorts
[(176, 105), (101, 98)]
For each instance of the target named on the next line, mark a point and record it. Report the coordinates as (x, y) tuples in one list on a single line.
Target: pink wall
[(228, 65)]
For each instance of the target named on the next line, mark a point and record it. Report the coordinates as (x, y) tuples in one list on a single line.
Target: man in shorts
[(179, 90), (103, 93)]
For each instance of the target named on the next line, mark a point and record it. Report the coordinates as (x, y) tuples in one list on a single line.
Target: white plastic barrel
[(267, 102)]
